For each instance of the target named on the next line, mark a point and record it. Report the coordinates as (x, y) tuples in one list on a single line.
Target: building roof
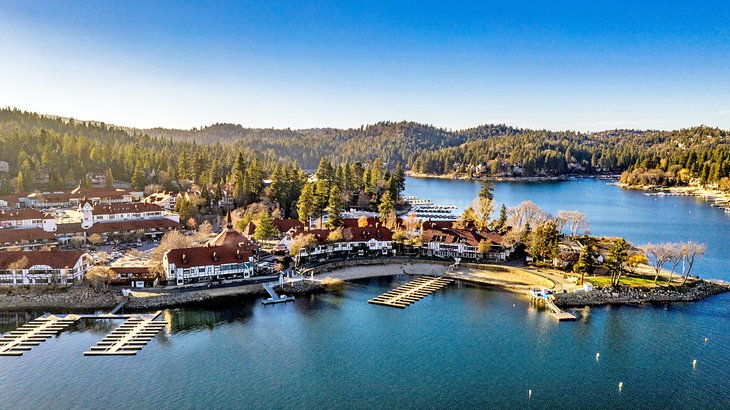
[(56, 259), (62, 229), (124, 208), (231, 237), (372, 221), (470, 237), (437, 224), (282, 225), (133, 225), (21, 214), (12, 200), (356, 234), (10, 236), (112, 193), (208, 255)]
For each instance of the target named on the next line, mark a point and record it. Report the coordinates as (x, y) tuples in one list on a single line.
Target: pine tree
[(108, 179), (386, 207), (585, 264), (334, 210), (306, 204), (502, 218), (265, 228), (138, 178)]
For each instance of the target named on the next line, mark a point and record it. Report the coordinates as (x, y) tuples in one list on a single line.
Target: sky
[(581, 65)]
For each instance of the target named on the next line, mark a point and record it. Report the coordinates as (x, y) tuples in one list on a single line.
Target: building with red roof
[(42, 267)]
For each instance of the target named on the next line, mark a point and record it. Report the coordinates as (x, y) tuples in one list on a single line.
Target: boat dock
[(546, 296), (411, 292), (129, 337), (33, 333), (275, 297)]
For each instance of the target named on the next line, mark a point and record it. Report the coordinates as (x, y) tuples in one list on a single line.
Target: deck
[(34, 333), (413, 291)]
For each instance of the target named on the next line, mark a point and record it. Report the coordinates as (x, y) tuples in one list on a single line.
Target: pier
[(130, 337), (275, 297), (546, 296), (411, 292), (33, 333)]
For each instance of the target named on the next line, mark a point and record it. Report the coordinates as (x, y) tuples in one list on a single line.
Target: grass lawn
[(625, 280)]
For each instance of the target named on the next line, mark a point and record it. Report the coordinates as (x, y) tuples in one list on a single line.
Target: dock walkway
[(129, 337), (33, 333), (411, 292)]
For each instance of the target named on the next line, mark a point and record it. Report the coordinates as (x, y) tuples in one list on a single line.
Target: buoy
[(706, 340), (620, 386), (694, 363), (529, 394), (598, 356), (513, 305)]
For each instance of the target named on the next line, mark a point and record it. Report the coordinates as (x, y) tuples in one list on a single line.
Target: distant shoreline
[(513, 178), (718, 198)]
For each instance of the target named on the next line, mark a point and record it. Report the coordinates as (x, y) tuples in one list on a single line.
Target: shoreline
[(513, 178), (716, 198), (510, 278)]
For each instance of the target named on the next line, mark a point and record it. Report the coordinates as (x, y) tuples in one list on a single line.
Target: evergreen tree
[(502, 218), (616, 259), (306, 206), (334, 210), (386, 207), (138, 178), (585, 264), (108, 179), (265, 228)]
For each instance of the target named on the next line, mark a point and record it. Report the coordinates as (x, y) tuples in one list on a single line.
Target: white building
[(42, 267)]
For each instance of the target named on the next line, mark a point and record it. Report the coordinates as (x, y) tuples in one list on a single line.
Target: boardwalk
[(130, 337), (411, 292), (556, 312), (33, 333)]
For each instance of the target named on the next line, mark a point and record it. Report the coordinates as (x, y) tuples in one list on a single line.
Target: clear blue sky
[(584, 65)]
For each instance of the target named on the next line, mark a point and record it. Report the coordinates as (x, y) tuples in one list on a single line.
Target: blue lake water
[(612, 211), (462, 347)]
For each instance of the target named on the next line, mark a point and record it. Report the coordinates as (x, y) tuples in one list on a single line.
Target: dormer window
[(184, 259), (215, 256)]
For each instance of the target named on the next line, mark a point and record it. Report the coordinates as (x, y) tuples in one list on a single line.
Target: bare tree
[(691, 251), (95, 239), (659, 254), (575, 221), (483, 208), (171, 240), (100, 277), (676, 255), (526, 213)]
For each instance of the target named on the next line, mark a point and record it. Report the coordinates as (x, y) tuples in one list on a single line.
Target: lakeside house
[(43, 267), (134, 276), (441, 240), (165, 200), (226, 256), (100, 213)]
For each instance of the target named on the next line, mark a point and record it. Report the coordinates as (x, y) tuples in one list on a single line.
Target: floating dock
[(33, 333), (275, 297), (130, 337), (411, 292)]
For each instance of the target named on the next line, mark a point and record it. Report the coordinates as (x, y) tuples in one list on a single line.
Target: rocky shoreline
[(637, 295)]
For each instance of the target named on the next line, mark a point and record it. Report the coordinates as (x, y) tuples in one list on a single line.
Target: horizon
[(567, 67), (454, 130)]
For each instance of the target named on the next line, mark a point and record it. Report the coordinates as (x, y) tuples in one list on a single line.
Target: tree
[(482, 211), (305, 242), (634, 261), (484, 247), (335, 235), (108, 179), (138, 178), (386, 207), (334, 210), (545, 241), (170, 240), (526, 213), (575, 220), (659, 254), (502, 218), (616, 260), (362, 222), (487, 190), (95, 239), (265, 228), (586, 263), (467, 219), (100, 277), (204, 231), (692, 250), (306, 205)]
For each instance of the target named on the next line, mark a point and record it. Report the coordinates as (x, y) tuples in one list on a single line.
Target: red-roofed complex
[(42, 267)]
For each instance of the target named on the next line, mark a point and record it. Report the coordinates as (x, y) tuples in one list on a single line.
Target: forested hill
[(393, 142), (53, 152)]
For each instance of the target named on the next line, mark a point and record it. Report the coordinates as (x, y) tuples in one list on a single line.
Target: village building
[(356, 241), (226, 256), (464, 243), (165, 200), (285, 227), (134, 276), (42, 267), (26, 239)]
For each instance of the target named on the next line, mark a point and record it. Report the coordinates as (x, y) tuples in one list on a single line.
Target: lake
[(462, 347), (612, 211)]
